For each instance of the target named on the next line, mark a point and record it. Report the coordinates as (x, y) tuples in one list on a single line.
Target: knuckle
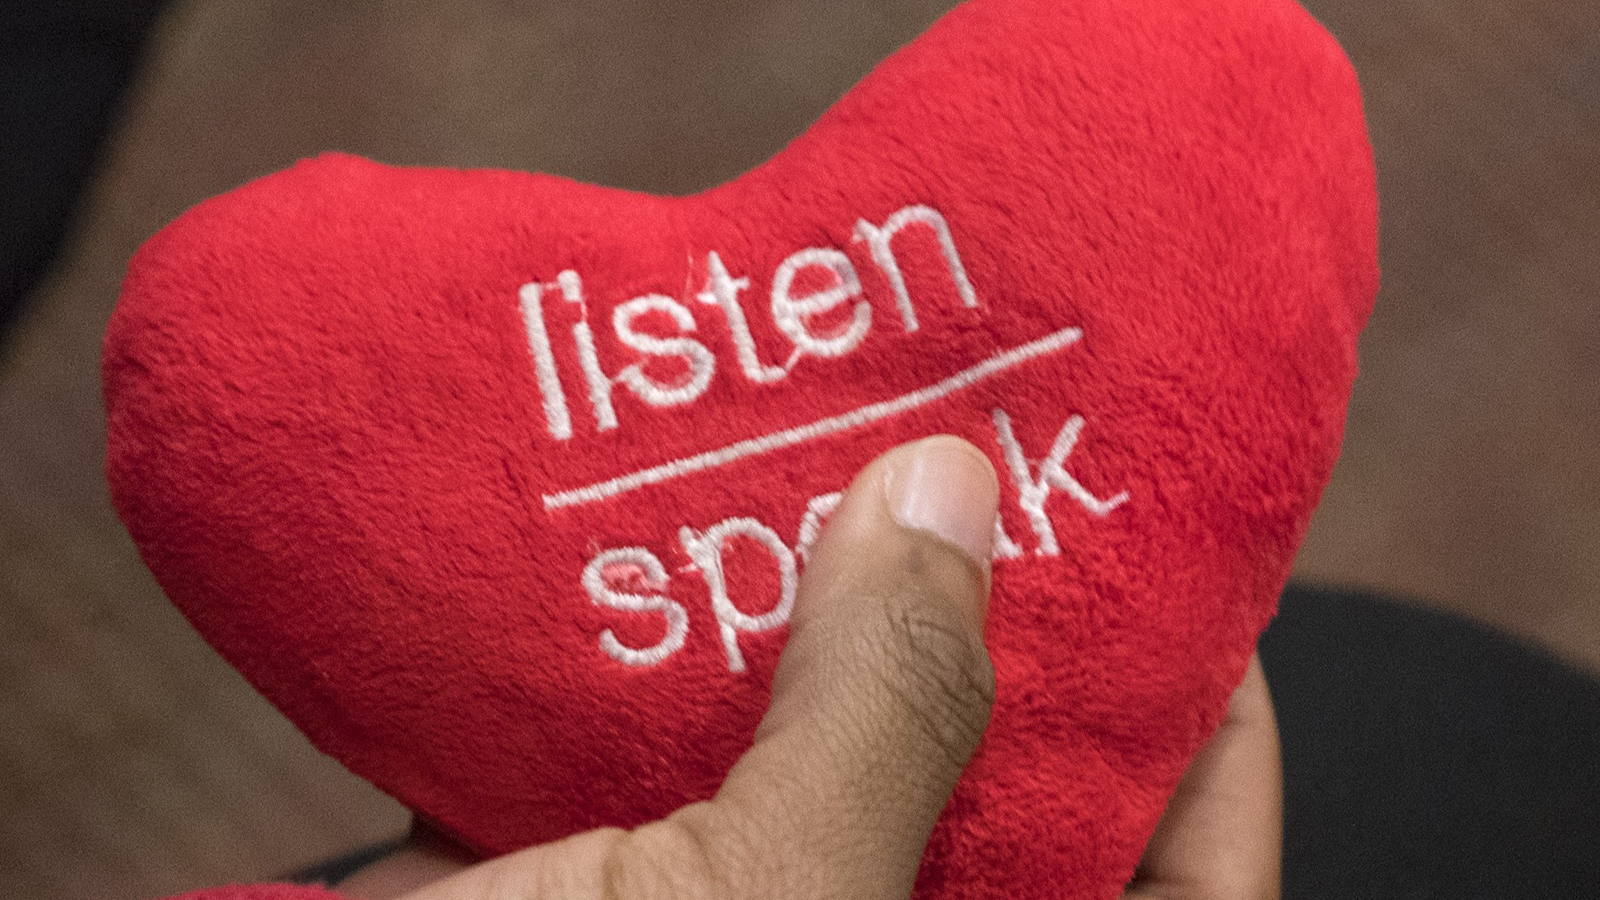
[(939, 674), (706, 850), (663, 860)]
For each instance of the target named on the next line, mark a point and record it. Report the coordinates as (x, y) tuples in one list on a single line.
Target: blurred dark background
[(1446, 745), (63, 68)]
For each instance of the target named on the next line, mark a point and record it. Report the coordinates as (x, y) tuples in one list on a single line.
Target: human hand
[(878, 702), (1221, 837)]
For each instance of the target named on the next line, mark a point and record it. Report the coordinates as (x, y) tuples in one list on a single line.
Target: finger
[(1222, 833), (881, 695)]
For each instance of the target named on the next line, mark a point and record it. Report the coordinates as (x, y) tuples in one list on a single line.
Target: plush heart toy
[(498, 484)]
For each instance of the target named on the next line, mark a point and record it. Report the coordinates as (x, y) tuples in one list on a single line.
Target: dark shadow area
[(333, 871), (1427, 756), (64, 67)]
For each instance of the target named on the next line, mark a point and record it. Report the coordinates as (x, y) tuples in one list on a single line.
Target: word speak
[(635, 580), (802, 315)]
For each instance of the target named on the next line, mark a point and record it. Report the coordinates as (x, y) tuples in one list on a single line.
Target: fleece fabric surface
[(498, 484)]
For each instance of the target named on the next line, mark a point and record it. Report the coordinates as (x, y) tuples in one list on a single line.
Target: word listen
[(794, 312), (634, 579)]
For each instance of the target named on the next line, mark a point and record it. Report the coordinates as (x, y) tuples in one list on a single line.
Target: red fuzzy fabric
[(329, 436)]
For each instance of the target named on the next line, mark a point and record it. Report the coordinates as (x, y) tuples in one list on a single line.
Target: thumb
[(881, 694), (878, 702)]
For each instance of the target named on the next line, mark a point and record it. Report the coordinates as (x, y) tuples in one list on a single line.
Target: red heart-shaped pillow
[(497, 484)]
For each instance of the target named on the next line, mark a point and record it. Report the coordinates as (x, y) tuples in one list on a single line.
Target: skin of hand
[(879, 700)]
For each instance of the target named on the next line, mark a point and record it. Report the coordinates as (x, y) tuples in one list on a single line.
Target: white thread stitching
[(790, 312), (1004, 546), (605, 415), (706, 552), (602, 594), (556, 416), (878, 241), (571, 287), (1032, 493), (821, 428), (702, 365), (817, 509), (723, 290)]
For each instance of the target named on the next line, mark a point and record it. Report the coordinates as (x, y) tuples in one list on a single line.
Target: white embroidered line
[(831, 425)]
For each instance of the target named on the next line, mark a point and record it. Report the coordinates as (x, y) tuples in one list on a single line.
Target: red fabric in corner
[(494, 482)]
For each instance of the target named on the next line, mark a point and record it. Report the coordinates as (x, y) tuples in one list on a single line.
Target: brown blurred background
[(134, 763)]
